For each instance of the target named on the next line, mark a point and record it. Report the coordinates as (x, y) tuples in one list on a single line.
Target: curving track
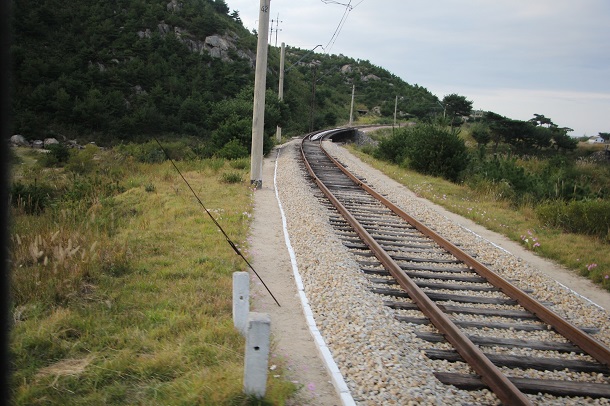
[(482, 316)]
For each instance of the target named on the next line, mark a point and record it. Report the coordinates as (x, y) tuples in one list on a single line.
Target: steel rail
[(584, 341), (491, 375)]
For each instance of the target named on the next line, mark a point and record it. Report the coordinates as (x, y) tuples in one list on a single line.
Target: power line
[(348, 8)]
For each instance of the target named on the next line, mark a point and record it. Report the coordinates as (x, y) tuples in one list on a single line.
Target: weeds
[(122, 296), (231, 177), (242, 163), (215, 164)]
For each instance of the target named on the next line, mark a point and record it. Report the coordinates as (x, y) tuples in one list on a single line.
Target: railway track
[(499, 331)]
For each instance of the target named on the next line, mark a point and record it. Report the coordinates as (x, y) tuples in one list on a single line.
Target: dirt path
[(293, 341)]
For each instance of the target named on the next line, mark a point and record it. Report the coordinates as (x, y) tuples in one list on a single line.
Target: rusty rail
[(506, 391)]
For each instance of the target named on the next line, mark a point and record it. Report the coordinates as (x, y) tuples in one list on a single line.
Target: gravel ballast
[(380, 358)]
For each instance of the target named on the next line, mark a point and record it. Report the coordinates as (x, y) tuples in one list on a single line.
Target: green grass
[(145, 316), (584, 255)]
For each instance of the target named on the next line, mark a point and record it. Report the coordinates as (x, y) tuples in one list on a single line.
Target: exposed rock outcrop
[(370, 77), (174, 6), (217, 46)]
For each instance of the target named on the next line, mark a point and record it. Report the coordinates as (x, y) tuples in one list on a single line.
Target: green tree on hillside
[(456, 107)]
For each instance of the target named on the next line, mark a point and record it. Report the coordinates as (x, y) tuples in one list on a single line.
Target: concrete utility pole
[(277, 24), (351, 110), (260, 83), (395, 109), (280, 96)]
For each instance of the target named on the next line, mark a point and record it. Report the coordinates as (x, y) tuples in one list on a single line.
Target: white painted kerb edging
[(331, 365)]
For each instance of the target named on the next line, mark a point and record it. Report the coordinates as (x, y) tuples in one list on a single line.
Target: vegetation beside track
[(518, 215), (121, 284)]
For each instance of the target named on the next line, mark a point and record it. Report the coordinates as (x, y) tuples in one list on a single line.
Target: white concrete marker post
[(257, 354), (241, 301)]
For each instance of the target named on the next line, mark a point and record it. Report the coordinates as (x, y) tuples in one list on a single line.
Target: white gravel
[(380, 358)]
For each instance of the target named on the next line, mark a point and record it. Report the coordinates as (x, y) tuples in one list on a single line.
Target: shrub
[(517, 184), (585, 217), (146, 153), (58, 155), (231, 177), (242, 163), (82, 162), (393, 148), (179, 150), (428, 149), (233, 150)]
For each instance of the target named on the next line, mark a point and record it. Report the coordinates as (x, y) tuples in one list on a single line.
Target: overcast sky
[(513, 57)]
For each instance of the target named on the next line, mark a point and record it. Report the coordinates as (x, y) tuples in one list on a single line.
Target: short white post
[(241, 300), (257, 354)]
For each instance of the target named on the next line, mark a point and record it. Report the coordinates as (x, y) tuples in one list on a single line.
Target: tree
[(235, 16), (562, 140), (497, 125), (524, 136), (541, 120), (605, 136), (481, 134), (456, 106)]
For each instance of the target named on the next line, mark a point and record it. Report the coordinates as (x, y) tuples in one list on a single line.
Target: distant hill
[(122, 70)]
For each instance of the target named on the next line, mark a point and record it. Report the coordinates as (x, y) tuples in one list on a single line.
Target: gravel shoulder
[(348, 316)]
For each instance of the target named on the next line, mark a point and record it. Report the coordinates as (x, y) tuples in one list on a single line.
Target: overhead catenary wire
[(335, 35), (229, 241), (348, 9)]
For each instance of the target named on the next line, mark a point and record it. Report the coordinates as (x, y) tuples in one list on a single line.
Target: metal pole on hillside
[(260, 82), (278, 134)]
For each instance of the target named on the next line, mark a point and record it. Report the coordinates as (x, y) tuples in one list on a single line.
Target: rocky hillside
[(126, 69)]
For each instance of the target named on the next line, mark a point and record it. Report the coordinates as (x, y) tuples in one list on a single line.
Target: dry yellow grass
[(147, 318)]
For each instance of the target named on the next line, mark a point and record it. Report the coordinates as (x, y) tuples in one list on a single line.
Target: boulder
[(164, 29), (38, 144), (50, 141), (144, 34), (20, 141), (174, 6)]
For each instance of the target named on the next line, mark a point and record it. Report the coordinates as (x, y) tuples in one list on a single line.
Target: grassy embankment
[(586, 255), (122, 286)]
